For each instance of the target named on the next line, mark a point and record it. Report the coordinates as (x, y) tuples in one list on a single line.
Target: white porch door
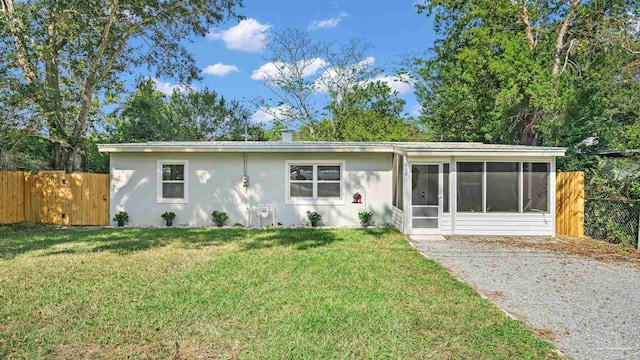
[(426, 198)]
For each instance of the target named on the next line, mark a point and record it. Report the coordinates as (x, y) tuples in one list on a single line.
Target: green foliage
[(168, 215), (121, 216), (614, 178), (19, 150), (219, 217), (96, 162), (314, 217), (365, 217), (371, 112), (148, 115), (507, 72), (64, 59), (612, 189)]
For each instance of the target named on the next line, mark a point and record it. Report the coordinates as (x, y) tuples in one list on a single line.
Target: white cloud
[(268, 71), (168, 88), (400, 83), (249, 35), (220, 69), (269, 114), (313, 66), (274, 70), (328, 23)]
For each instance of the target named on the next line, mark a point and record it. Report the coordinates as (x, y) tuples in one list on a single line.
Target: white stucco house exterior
[(420, 188)]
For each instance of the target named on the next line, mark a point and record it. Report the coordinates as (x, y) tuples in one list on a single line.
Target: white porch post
[(406, 196), (453, 193)]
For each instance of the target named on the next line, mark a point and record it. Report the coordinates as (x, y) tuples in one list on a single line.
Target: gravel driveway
[(588, 309)]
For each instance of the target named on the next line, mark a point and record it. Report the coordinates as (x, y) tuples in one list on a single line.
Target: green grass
[(232, 293)]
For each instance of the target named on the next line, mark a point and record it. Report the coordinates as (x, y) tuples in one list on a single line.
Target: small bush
[(314, 218), (168, 215), (365, 217), (121, 217), (238, 225), (219, 217)]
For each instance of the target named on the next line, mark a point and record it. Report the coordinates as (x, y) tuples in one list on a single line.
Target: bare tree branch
[(560, 40)]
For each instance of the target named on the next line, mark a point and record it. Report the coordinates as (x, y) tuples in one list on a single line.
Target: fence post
[(638, 242)]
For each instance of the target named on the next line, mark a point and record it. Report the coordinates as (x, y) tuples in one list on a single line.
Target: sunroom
[(492, 190)]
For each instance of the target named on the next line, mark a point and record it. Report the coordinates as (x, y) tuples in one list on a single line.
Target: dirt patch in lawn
[(587, 247)]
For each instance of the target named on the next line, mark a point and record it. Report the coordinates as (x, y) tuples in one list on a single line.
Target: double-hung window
[(314, 182), (173, 186)]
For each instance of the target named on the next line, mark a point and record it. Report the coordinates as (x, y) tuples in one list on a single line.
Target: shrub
[(121, 217), (365, 217), (168, 215), (219, 217), (313, 217)]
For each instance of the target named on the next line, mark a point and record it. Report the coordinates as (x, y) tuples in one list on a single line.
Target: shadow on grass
[(20, 239), (301, 238), (16, 240)]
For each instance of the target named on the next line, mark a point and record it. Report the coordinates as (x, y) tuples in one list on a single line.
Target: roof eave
[(114, 148), (489, 153)]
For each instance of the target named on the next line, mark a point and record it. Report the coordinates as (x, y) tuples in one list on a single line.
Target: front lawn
[(223, 293)]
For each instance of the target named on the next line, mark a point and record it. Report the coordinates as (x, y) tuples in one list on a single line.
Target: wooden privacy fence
[(54, 197), (570, 203)]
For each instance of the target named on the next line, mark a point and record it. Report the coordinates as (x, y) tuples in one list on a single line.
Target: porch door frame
[(409, 218)]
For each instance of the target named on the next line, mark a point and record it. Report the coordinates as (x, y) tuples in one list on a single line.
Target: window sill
[(172, 201), (314, 202)]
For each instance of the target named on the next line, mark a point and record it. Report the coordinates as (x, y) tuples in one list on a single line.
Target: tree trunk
[(63, 157), (529, 134)]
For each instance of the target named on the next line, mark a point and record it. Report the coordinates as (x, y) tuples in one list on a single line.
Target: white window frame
[(314, 200), (159, 182)]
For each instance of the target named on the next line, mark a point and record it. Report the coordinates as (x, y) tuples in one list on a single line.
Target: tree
[(309, 81), (67, 56), (149, 115), (514, 71), (372, 112)]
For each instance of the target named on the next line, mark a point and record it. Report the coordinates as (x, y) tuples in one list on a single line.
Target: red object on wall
[(357, 198)]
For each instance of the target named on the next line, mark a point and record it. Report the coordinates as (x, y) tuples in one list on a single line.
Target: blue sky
[(233, 51)]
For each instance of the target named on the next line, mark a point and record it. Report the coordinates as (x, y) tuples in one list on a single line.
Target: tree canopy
[(531, 72), (65, 58)]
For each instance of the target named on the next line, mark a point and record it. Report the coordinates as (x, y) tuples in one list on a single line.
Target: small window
[(172, 181), (535, 183), (314, 182)]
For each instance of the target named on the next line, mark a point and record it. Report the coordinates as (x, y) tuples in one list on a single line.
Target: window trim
[(521, 187), (159, 182), (314, 200)]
